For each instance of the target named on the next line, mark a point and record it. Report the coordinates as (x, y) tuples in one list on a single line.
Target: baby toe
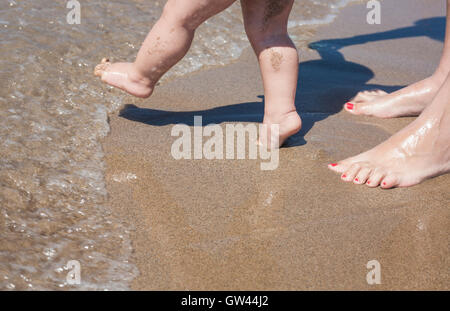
[(98, 71), (101, 68)]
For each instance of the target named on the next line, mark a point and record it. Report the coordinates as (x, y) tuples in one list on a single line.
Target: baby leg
[(165, 45), (266, 27)]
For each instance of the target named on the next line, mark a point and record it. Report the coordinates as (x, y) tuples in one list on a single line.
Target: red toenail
[(384, 184), (356, 179), (333, 164), (350, 106), (368, 182), (343, 176)]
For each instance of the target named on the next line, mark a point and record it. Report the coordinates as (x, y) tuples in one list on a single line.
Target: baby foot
[(288, 125), (125, 77), (418, 152), (409, 101)]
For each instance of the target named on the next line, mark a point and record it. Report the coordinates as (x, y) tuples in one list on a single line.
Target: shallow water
[(52, 115)]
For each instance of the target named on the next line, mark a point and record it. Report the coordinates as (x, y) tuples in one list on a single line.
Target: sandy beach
[(228, 225)]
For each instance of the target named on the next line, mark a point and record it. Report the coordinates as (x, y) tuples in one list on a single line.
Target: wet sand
[(227, 225)]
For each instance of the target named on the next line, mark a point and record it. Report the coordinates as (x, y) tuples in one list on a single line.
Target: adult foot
[(418, 152), (409, 101), (125, 77)]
